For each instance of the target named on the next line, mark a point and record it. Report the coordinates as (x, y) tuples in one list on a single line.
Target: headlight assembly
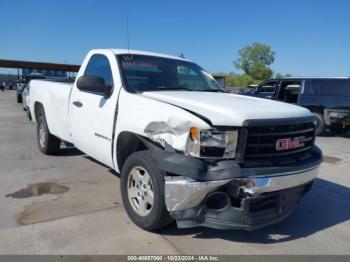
[(212, 143)]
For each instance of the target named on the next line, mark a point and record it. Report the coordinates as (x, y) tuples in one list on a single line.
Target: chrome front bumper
[(183, 193)]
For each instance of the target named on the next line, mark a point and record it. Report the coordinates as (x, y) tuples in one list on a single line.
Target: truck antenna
[(127, 32)]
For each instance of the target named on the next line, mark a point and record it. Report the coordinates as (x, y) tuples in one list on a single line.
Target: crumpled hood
[(224, 109)]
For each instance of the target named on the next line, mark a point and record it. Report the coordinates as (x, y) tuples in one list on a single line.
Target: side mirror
[(93, 84)]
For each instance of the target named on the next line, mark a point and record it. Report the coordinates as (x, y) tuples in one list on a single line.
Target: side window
[(329, 87), (99, 66), (289, 91), (268, 87)]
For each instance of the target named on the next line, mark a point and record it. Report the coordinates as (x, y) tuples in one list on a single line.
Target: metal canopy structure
[(38, 65)]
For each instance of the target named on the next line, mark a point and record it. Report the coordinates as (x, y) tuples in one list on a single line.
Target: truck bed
[(54, 96)]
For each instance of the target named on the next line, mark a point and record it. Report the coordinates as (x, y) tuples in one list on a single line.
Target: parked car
[(22, 85), (185, 150), (327, 98), (10, 85)]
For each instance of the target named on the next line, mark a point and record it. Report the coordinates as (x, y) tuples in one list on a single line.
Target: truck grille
[(278, 144)]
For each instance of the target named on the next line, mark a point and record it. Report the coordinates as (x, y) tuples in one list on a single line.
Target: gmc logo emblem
[(290, 143)]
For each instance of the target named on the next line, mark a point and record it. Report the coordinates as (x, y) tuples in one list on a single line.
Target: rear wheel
[(142, 188), (48, 143), (19, 98), (320, 124)]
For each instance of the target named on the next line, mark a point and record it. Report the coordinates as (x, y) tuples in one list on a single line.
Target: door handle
[(77, 103)]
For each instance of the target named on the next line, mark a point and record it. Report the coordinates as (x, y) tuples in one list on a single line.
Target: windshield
[(149, 73)]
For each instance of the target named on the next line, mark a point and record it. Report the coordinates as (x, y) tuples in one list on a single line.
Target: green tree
[(245, 80), (278, 75), (239, 80), (230, 80), (255, 60)]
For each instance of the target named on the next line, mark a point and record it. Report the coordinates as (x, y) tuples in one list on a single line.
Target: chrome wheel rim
[(41, 135), (140, 191)]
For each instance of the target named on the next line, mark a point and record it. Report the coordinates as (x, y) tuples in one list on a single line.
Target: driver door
[(92, 115)]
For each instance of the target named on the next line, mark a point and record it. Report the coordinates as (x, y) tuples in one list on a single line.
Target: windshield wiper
[(167, 88), (212, 90), (173, 88)]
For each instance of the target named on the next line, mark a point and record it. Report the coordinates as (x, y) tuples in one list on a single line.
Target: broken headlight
[(212, 143)]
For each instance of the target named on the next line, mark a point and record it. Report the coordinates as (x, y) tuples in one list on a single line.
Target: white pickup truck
[(185, 150)]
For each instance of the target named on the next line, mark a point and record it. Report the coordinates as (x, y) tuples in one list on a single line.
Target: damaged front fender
[(173, 132)]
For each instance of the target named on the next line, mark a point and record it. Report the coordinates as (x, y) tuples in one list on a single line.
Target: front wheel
[(142, 188)]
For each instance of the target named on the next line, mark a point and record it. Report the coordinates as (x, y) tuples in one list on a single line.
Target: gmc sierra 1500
[(186, 151)]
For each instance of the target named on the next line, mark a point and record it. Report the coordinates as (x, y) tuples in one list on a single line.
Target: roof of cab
[(139, 52)]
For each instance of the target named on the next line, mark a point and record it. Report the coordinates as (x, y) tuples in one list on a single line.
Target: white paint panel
[(225, 109)]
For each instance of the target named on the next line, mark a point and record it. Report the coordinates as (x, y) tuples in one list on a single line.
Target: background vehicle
[(235, 90), (327, 98), (265, 89), (22, 85), (9, 84), (185, 150)]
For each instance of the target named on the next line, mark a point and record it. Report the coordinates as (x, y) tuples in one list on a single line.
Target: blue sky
[(309, 37)]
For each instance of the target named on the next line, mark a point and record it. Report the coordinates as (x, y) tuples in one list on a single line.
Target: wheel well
[(37, 110), (127, 144), (315, 109)]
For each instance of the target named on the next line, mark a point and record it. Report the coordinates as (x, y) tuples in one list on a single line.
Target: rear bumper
[(245, 203)]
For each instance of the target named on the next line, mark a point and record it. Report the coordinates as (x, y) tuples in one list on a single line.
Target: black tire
[(320, 124), (337, 129), (50, 144), (19, 98), (158, 216)]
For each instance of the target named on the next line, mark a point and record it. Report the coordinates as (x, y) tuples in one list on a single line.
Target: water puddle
[(39, 189)]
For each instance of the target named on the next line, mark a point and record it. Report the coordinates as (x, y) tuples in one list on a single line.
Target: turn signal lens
[(194, 133)]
